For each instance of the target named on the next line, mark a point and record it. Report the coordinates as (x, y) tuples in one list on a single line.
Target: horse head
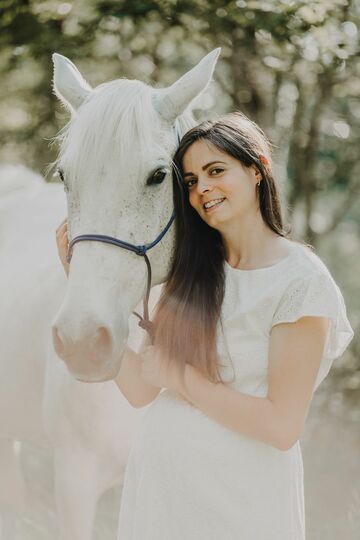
[(115, 161)]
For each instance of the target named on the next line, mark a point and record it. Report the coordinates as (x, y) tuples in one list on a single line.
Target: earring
[(258, 184)]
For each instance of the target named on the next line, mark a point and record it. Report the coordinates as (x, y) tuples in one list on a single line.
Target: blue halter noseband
[(144, 322)]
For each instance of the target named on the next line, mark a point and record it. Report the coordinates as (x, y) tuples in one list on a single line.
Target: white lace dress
[(190, 478)]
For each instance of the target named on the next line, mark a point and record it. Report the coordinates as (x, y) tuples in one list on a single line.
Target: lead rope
[(144, 322)]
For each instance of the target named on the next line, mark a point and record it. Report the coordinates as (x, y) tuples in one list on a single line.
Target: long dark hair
[(189, 307)]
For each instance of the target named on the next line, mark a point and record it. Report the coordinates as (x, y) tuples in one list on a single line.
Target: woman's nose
[(203, 185)]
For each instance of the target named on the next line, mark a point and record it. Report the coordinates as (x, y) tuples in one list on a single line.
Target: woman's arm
[(137, 391), (278, 419)]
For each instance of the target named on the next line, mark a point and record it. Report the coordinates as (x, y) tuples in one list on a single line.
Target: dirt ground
[(331, 453)]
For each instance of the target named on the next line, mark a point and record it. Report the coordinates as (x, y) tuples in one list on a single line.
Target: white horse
[(116, 163)]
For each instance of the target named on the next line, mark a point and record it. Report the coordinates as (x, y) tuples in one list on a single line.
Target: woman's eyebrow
[(204, 167)]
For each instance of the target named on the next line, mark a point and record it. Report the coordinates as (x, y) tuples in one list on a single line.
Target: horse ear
[(172, 101), (69, 85)]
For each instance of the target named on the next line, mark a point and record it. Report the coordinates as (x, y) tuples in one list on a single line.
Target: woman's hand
[(155, 370), (63, 243)]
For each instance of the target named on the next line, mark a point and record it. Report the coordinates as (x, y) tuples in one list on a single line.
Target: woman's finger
[(63, 243), (61, 232), (63, 224), (63, 240)]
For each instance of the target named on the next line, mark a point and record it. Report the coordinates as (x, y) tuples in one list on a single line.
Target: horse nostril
[(58, 344), (102, 342), (93, 348)]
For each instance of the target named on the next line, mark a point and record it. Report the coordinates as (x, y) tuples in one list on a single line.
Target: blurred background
[(291, 66)]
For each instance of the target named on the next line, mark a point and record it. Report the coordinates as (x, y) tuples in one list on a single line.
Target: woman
[(247, 326)]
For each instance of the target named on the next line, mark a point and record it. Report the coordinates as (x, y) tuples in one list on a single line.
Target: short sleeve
[(318, 295)]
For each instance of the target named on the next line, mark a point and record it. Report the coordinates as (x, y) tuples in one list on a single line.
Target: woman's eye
[(217, 170), (157, 177), (190, 183)]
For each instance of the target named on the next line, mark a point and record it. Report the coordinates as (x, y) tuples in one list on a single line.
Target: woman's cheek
[(194, 202)]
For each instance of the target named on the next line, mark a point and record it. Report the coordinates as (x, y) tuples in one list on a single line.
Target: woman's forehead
[(201, 152)]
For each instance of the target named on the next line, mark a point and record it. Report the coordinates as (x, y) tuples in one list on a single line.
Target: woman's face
[(221, 189)]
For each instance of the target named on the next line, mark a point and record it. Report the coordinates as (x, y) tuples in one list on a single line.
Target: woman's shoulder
[(305, 277), (305, 261)]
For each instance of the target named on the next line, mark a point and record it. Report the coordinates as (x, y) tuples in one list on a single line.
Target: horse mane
[(116, 114)]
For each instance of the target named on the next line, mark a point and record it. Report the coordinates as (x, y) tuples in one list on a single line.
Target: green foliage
[(265, 44)]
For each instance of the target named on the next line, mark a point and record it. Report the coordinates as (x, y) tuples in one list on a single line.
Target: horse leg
[(12, 489), (76, 493)]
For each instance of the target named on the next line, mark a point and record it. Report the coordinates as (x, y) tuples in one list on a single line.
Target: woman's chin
[(216, 219)]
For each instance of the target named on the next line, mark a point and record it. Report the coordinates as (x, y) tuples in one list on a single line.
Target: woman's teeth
[(212, 203)]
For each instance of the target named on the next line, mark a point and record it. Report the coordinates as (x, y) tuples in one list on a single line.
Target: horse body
[(32, 284), (90, 427), (118, 136)]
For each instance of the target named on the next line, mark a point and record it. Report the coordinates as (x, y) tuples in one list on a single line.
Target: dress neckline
[(233, 269)]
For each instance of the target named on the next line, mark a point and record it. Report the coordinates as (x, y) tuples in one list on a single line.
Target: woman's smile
[(213, 204)]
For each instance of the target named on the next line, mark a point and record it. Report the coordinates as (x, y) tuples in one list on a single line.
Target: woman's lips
[(214, 207)]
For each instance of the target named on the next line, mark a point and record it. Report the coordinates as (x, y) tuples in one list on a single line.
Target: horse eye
[(60, 174), (156, 177)]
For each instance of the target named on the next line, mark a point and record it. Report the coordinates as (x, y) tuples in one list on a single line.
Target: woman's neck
[(251, 243)]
